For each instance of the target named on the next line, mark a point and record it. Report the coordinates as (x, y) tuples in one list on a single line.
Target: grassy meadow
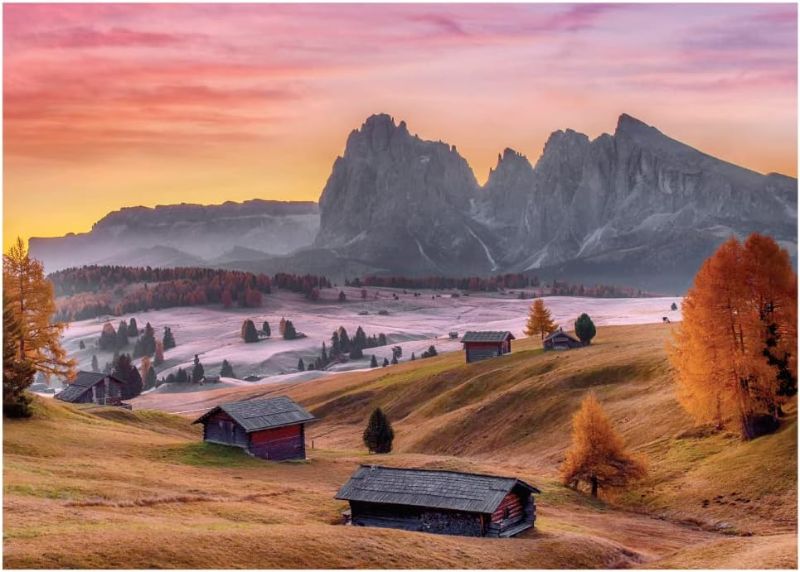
[(102, 487)]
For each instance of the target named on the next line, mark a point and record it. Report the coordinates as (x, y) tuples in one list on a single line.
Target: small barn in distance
[(484, 345), (561, 340), (272, 429), (440, 502), (91, 387)]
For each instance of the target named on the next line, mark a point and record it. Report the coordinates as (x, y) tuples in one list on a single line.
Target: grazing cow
[(665, 320)]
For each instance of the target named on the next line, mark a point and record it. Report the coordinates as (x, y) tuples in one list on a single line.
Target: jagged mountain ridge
[(634, 207), (633, 203)]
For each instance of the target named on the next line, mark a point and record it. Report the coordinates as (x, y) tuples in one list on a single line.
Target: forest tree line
[(92, 291), (496, 283)]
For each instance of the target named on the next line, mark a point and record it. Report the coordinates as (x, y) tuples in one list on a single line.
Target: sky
[(112, 105)]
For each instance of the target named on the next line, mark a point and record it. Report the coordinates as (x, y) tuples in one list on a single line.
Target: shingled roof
[(487, 337), (560, 333), (468, 492), (82, 383), (256, 415)]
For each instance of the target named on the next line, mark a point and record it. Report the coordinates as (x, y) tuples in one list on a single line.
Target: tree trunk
[(594, 487)]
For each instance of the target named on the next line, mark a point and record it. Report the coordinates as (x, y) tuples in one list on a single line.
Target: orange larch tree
[(539, 320), (597, 455), (734, 353)]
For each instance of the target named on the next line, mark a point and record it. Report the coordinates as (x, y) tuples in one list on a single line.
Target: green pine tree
[(17, 374), (227, 369), (249, 333), (198, 372), (584, 329), (378, 435), (373, 362)]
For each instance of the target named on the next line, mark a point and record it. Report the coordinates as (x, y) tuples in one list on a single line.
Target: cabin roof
[(259, 414), (450, 490), (560, 333), (82, 383), (487, 337)]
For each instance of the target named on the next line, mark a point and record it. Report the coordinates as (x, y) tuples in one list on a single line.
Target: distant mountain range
[(636, 208), (185, 235)]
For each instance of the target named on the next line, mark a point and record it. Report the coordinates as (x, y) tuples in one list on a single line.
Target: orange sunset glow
[(117, 105)]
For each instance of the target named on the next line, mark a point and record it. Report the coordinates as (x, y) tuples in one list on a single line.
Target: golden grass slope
[(101, 487)]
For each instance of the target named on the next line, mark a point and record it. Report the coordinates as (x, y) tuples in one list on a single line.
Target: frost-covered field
[(413, 323)]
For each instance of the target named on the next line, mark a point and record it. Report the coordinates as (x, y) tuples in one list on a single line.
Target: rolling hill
[(100, 487)]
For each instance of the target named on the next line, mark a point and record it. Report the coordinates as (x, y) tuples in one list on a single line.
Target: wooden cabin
[(91, 387), (439, 502), (272, 429), (561, 340), (484, 345)]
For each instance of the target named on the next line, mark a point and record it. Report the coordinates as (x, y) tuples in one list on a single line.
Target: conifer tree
[(289, 333), (158, 359), (28, 296), (95, 364), (300, 365), (108, 337), (226, 370), (150, 380), (359, 339), (373, 362), (282, 326), (356, 352), (169, 339), (125, 371), (265, 329), (378, 435), (673, 307), (735, 353), (133, 328), (413, 356), (17, 374), (335, 347), (144, 368), (584, 329), (324, 355), (394, 360), (249, 333), (181, 376), (344, 341), (122, 334), (597, 456), (385, 362), (198, 371), (539, 320), (82, 345)]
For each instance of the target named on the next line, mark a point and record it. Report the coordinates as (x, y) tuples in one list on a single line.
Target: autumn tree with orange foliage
[(735, 352), (539, 320), (29, 297), (597, 455)]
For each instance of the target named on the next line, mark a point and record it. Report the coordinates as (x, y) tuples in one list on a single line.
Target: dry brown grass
[(111, 488)]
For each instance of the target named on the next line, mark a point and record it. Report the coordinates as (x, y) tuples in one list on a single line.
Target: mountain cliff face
[(633, 204), (400, 203), (185, 235)]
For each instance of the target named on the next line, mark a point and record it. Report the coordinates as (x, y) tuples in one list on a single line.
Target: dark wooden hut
[(561, 340), (441, 502), (484, 345), (272, 429), (91, 387)]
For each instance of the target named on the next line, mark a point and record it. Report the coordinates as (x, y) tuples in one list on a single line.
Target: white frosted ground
[(414, 323)]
